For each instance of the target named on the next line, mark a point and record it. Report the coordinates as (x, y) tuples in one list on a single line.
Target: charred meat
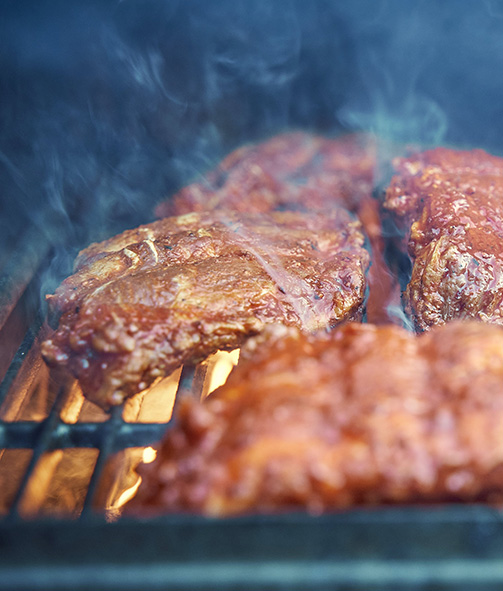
[(293, 170), (449, 205), (303, 172), (151, 299), (361, 415)]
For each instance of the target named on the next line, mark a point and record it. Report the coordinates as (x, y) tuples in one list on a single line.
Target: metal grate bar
[(25, 434), (46, 428), (21, 267), (108, 433), (186, 380), (19, 357)]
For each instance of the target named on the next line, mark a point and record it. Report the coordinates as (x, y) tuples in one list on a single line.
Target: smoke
[(107, 108), (396, 46), (427, 72)]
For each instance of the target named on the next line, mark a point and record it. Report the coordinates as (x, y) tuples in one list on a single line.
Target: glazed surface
[(172, 292), (449, 204), (362, 415), (300, 171)]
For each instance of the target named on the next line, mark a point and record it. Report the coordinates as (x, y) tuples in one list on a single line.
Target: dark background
[(108, 107)]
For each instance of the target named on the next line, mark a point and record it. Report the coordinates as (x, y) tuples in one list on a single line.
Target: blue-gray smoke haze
[(108, 107)]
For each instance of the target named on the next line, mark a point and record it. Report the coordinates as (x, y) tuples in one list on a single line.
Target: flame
[(13, 464), (59, 482), (154, 404), (125, 478), (219, 367), (73, 405), (215, 369), (149, 455), (125, 497)]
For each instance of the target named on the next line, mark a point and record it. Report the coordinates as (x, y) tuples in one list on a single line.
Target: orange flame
[(59, 482)]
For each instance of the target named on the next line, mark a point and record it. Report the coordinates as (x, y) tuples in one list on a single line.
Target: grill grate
[(107, 436), (42, 411), (43, 417)]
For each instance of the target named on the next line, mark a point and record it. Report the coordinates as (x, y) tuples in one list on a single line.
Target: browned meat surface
[(450, 205), (151, 299), (291, 170), (299, 171), (361, 415)]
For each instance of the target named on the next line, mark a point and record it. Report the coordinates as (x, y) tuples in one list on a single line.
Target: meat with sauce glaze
[(302, 172), (172, 292), (361, 415), (449, 205)]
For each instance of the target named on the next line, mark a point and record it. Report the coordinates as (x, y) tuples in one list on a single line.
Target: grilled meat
[(151, 299), (450, 206), (299, 171), (290, 171), (361, 415)]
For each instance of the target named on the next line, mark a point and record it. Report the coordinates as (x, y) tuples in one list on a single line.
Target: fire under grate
[(44, 417), (29, 391), (110, 435)]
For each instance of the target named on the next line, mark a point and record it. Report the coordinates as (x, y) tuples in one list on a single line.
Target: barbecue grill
[(67, 468)]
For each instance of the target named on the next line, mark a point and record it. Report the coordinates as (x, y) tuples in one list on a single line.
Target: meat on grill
[(151, 299), (305, 172), (450, 205), (293, 170), (361, 415)]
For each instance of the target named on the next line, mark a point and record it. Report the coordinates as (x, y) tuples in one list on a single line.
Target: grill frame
[(450, 548)]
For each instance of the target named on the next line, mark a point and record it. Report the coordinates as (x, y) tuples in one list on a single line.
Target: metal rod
[(19, 357), (186, 380), (20, 269), (108, 434), (24, 434), (42, 441)]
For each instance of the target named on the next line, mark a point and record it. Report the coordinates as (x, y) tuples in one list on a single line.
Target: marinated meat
[(151, 299), (450, 206), (305, 172), (361, 415), (290, 171)]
